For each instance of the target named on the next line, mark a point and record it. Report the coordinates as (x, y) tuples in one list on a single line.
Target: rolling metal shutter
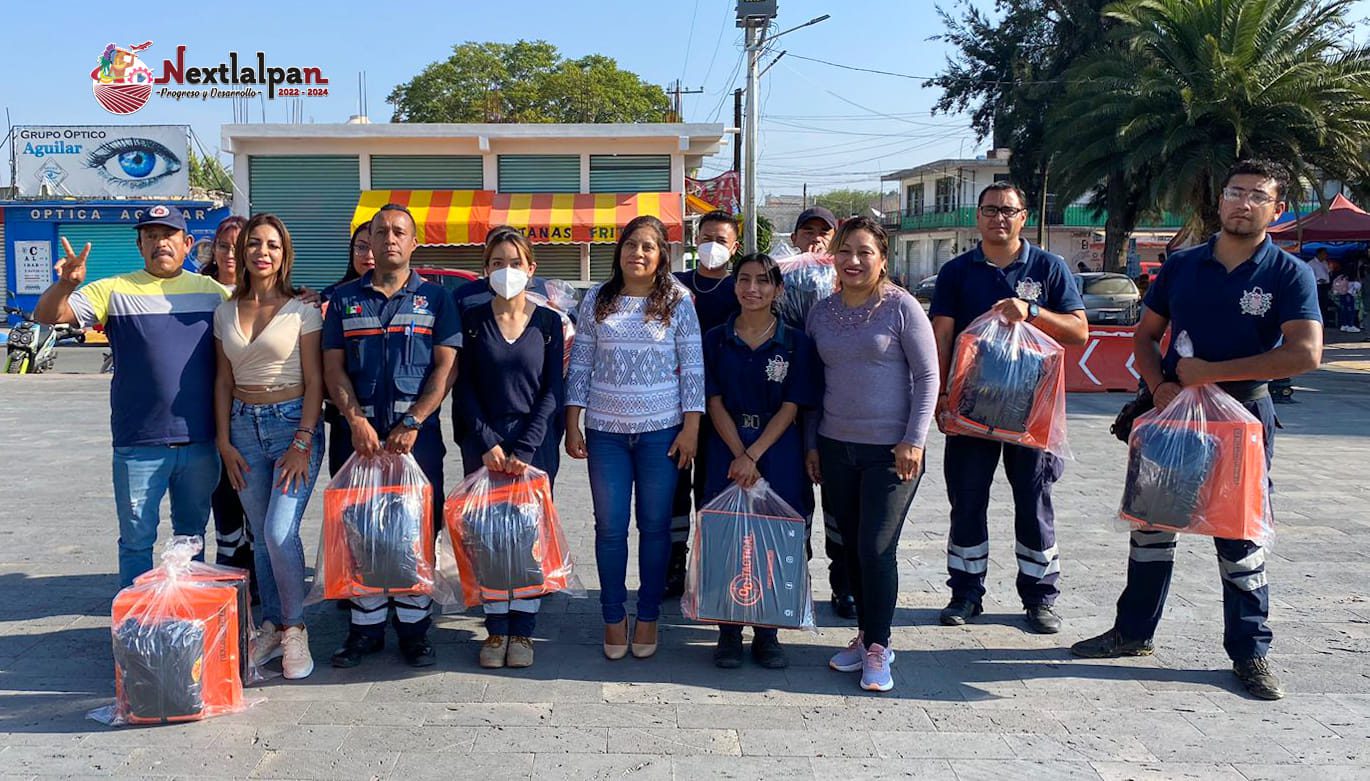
[(539, 173), (630, 173), (601, 262), (427, 172), (113, 248), (448, 256), (558, 261), (4, 280), (314, 196)]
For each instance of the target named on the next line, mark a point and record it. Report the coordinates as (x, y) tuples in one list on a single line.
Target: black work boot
[(417, 651), (844, 605), (767, 651), (1259, 680), (359, 643), (1111, 645), (728, 654), (1042, 619), (958, 611)]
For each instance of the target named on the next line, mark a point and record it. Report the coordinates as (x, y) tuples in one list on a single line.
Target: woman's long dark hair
[(351, 272), (661, 302)]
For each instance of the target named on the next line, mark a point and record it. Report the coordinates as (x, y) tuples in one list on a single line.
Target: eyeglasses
[(994, 211), (1253, 197)]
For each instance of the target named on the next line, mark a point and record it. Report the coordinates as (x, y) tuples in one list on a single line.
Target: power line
[(689, 41)]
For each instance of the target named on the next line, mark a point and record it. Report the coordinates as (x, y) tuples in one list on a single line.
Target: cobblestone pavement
[(984, 701)]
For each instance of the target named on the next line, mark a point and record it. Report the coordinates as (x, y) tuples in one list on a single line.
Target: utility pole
[(754, 38), (678, 108), (737, 123), (804, 199)]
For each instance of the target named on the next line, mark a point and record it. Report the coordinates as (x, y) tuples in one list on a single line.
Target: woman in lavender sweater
[(880, 365)]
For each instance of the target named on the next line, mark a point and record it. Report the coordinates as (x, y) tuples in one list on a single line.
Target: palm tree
[(1191, 86)]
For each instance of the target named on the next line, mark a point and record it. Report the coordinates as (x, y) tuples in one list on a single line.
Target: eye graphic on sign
[(133, 163)]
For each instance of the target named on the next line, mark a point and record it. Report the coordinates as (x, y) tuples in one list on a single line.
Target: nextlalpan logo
[(123, 83)]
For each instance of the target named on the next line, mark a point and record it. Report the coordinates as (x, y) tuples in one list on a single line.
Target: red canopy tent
[(1343, 221)]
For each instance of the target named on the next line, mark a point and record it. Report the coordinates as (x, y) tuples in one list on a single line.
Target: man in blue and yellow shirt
[(390, 343), (160, 324)]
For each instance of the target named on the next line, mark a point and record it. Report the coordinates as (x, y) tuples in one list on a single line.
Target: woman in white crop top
[(268, 400)]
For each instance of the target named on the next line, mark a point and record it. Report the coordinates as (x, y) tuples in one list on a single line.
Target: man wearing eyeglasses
[(1251, 311), (1004, 274)]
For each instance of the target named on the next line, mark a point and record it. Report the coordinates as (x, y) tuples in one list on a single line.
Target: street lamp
[(754, 16)]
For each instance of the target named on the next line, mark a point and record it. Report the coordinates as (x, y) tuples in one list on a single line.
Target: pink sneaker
[(875, 672), (849, 659)]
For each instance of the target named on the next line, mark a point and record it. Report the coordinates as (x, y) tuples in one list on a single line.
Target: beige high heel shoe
[(613, 651), (644, 650)]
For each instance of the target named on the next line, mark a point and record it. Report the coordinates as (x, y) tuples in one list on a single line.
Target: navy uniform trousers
[(969, 468), (1241, 563)]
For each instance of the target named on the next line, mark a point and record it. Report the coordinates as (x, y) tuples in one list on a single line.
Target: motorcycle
[(32, 347)]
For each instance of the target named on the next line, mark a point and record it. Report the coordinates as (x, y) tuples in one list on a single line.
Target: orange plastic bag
[(378, 535), (201, 572), (507, 539), (1008, 383), (1198, 467), (176, 646)]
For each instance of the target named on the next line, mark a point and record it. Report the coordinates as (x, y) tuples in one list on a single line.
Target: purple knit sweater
[(879, 367)]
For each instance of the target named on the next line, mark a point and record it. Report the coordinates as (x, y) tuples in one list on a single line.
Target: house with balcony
[(935, 220)]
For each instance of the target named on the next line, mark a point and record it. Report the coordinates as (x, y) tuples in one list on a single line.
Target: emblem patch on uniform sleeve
[(1256, 302), (777, 369), (420, 303), (354, 309), (1029, 289)]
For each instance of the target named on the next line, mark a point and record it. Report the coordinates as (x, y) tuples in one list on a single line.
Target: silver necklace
[(761, 336), (694, 283)]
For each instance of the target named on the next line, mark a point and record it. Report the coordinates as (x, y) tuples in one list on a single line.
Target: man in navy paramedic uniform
[(1024, 283), (390, 344), (1251, 311)]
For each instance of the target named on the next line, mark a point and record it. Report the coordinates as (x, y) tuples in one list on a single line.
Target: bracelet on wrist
[(301, 445), (308, 432)]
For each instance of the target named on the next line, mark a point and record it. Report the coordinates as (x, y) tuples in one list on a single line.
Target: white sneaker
[(266, 645), (1355, 329), (295, 660)]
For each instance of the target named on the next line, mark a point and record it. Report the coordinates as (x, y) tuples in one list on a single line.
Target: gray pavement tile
[(805, 743), (878, 769), (618, 714), (705, 716), (487, 767), (1319, 772), (864, 714), (443, 687), (212, 762), (704, 768), (1321, 750), (370, 713), (960, 718), (1168, 771), (673, 741), (73, 761), (603, 767), (539, 740), (941, 745), (1021, 770), (490, 714), (1079, 748), (277, 737), (347, 763)]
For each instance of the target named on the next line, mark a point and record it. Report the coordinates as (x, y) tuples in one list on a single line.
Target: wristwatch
[(410, 422), (1033, 311)]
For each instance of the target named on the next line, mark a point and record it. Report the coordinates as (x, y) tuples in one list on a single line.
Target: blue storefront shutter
[(630, 173), (315, 196), (427, 172), (539, 173), (113, 248)]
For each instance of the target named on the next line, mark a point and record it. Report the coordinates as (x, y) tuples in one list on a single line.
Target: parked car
[(1110, 299), (923, 292), (450, 278)]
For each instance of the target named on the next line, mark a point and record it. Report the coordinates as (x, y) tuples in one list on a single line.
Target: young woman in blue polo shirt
[(758, 373)]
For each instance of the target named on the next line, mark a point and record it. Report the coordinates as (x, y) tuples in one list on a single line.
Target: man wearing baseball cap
[(813, 230), (160, 324)]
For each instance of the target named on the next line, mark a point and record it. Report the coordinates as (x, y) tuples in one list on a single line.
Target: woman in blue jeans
[(637, 374), (268, 398)]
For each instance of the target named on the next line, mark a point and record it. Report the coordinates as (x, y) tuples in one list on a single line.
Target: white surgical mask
[(713, 255), (508, 282)]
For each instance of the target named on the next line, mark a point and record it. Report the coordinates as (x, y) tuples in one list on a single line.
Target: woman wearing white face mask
[(509, 387)]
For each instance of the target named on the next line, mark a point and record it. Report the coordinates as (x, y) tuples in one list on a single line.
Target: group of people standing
[(678, 385)]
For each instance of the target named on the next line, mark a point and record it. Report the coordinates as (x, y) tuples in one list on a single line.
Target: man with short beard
[(1251, 311), (160, 325)]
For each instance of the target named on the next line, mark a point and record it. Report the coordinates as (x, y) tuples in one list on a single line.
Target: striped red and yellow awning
[(465, 216)]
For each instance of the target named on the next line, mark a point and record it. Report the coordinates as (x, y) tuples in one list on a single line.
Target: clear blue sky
[(822, 125)]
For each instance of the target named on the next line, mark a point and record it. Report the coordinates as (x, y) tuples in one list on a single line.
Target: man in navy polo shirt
[(1252, 312), (1004, 274), (390, 343)]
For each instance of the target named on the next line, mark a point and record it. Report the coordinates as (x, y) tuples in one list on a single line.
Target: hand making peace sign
[(71, 269)]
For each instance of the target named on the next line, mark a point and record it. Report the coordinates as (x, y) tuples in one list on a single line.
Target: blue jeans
[(144, 474), (262, 434), (618, 464)]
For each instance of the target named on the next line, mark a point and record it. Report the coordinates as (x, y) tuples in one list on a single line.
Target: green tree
[(845, 203), (1005, 73), (209, 173), (1195, 85), (526, 81)]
